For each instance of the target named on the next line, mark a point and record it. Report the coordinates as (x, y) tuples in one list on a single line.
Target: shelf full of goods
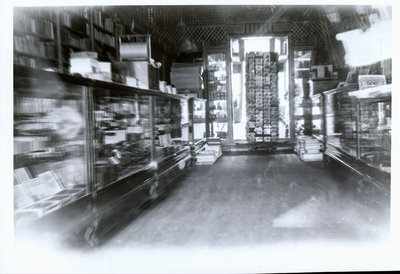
[(262, 97)]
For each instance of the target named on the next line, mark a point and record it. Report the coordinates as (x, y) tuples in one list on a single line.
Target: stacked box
[(309, 149), (262, 97)]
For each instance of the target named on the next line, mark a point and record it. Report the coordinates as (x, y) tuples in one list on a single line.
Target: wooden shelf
[(35, 56), (373, 92), (73, 47), (100, 28), (20, 32), (324, 79), (78, 32), (104, 43), (302, 58)]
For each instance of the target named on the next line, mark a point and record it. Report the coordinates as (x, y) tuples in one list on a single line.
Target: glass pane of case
[(317, 118), (185, 121), (167, 123), (341, 119), (375, 133), (199, 119), (50, 159), (122, 136)]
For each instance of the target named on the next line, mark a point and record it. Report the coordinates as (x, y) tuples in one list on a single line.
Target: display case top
[(28, 78)]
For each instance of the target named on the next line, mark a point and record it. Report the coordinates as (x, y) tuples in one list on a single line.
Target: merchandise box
[(143, 71), (83, 66)]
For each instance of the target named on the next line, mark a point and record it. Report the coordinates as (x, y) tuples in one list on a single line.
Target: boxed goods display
[(146, 73), (186, 76), (262, 96), (83, 66)]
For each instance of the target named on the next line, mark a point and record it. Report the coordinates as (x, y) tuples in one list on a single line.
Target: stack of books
[(309, 149), (211, 152)]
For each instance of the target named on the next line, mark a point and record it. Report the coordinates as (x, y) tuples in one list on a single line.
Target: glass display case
[(51, 167), (374, 126), (341, 123), (167, 124), (185, 121), (122, 134), (197, 114), (358, 128), (199, 119), (87, 147), (317, 116)]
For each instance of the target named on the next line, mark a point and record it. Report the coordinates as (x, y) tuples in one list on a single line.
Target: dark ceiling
[(169, 17)]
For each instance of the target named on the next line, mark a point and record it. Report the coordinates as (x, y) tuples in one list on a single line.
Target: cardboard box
[(105, 67), (143, 71), (83, 66), (84, 54)]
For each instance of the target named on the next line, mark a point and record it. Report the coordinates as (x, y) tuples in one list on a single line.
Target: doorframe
[(291, 81)]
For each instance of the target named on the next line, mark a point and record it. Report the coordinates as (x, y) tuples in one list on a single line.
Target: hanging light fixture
[(181, 24)]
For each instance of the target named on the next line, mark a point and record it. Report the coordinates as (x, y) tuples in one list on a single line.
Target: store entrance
[(241, 50)]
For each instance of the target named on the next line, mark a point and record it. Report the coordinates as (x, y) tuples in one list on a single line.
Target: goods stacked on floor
[(308, 149), (262, 97), (212, 151)]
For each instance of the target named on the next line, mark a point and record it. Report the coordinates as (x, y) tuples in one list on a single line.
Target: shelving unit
[(215, 62), (303, 59), (44, 38)]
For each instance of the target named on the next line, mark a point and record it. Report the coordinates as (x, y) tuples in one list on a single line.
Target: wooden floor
[(260, 200)]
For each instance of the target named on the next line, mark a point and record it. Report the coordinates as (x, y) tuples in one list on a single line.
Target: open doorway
[(241, 49)]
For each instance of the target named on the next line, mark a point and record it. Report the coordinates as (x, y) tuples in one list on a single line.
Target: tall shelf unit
[(303, 59), (45, 37), (83, 147), (217, 92)]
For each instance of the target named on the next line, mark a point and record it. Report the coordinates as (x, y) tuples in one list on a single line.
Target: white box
[(105, 67), (84, 54), (116, 137), (133, 82), (84, 66)]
